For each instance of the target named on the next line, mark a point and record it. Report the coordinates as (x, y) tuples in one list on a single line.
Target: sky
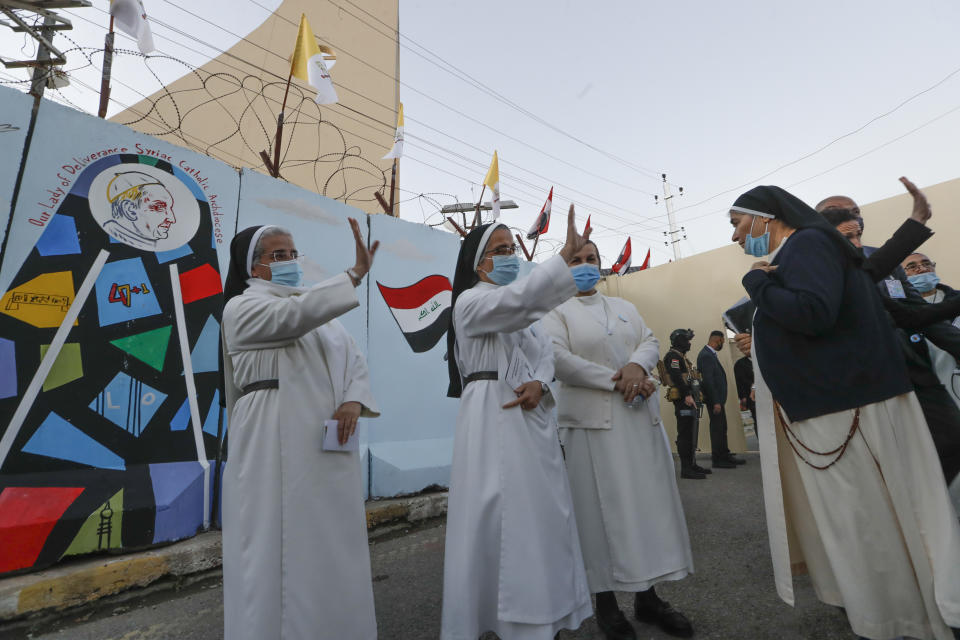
[(599, 99)]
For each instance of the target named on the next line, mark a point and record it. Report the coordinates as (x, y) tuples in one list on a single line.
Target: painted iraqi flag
[(422, 310)]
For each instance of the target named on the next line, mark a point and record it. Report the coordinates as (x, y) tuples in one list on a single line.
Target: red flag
[(587, 226), (542, 223), (623, 260), (646, 263)]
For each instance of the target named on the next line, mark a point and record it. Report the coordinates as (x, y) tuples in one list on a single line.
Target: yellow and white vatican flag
[(493, 181), (131, 18), (397, 150), (312, 63)]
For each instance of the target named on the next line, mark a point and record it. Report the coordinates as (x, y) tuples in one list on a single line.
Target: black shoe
[(660, 613), (734, 459), (691, 473), (724, 464), (702, 470), (615, 626)]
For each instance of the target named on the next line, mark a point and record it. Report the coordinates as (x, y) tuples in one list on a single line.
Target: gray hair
[(272, 232)]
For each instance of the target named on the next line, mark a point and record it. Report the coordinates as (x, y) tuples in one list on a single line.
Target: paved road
[(730, 596)]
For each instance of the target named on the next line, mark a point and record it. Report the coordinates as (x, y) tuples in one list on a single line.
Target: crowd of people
[(563, 483)]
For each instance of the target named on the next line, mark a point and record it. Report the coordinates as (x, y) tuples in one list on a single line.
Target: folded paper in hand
[(330, 442)]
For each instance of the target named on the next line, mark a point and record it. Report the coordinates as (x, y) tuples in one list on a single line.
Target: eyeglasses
[(927, 265), (282, 255), (503, 250)]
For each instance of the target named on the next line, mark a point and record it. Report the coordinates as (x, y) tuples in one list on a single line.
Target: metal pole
[(671, 220), (42, 71), (107, 68)]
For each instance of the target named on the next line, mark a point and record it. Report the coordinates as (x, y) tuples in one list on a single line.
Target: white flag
[(312, 62), (397, 150), (492, 180), (131, 18)]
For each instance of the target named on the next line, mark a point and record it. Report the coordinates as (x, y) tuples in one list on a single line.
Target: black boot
[(611, 620), (702, 470), (648, 607)]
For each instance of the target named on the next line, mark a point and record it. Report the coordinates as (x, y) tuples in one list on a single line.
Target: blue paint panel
[(60, 237), (210, 424), (181, 420), (8, 368), (128, 403), (133, 296), (178, 492), (57, 438), (82, 186), (205, 354), (173, 254)]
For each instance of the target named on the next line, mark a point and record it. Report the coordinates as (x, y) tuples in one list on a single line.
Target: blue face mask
[(757, 247), (924, 282), (288, 273), (585, 276), (505, 269)]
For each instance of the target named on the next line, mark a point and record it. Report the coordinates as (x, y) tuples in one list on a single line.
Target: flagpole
[(533, 252), (476, 217), (393, 185), (107, 67), (276, 144)]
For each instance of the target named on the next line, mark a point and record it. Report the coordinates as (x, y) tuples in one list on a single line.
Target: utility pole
[(672, 236)]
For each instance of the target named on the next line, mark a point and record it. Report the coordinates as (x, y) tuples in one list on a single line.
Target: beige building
[(713, 280), (228, 108)]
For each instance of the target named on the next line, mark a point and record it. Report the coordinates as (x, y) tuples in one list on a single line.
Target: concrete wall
[(109, 333)]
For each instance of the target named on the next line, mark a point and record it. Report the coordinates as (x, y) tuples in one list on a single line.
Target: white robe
[(876, 530), (513, 563), (625, 497), (296, 565)]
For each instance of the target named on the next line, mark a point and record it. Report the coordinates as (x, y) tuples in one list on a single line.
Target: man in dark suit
[(715, 396)]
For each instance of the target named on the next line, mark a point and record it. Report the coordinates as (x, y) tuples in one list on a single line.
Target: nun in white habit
[(295, 560), (513, 563), (632, 528)]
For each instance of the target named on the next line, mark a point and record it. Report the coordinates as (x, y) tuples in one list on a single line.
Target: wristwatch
[(354, 278), (544, 389)]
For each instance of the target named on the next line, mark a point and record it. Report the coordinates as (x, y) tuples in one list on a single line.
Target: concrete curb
[(85, 581)]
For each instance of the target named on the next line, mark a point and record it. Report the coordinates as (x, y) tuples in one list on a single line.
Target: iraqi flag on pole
[(131, 18), (542, 223), (312, 63), (646, 262), (422, 310), (623, 261)]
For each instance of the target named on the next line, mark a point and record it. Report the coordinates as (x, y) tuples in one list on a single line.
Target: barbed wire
[(177, 110)]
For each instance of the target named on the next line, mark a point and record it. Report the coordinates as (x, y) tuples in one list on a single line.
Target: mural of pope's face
[(155, 214), (144, 207)]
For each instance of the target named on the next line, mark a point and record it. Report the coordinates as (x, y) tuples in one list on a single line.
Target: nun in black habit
[(295, 558), (852, 486), (513, 563)]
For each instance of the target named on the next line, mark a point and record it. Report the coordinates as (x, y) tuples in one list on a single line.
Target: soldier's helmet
[(680, 339)]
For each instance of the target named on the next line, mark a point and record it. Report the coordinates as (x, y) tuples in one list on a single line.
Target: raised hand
[(364, 255), (575, 241), (921, 208)]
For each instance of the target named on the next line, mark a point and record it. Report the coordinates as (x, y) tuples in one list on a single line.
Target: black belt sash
[(258, 385), (480, 375)]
